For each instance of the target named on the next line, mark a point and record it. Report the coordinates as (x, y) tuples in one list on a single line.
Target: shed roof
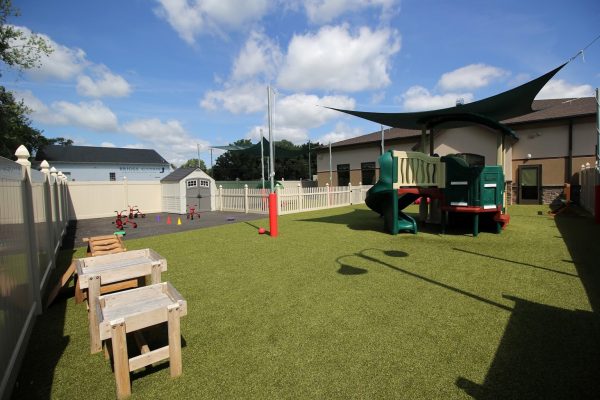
[(178, 174), (91, 154)]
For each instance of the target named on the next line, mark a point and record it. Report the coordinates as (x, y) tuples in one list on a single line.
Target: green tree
[(193, 163), (22, 51), (15, 128), (234, 165), (17, 48)]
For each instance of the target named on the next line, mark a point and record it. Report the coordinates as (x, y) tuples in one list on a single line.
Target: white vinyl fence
[(589, 177), (290, 199), (33, 220)]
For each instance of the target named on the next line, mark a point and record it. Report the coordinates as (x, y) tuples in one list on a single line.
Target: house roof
[(543, 110), (179, 174), (90, 154)]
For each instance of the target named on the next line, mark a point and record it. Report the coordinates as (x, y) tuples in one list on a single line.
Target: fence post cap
[(298, 184), (245, 186), (327, 184), (53, 171), (220, 186), (22, 155), (45, 167)]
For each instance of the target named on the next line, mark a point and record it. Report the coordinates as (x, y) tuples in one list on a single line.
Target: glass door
[(529, 184)]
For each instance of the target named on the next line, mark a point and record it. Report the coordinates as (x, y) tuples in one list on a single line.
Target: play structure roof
[(510, 104), (90, 154)]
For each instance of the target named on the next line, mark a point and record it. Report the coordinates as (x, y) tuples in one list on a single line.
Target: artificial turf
[(336, 308)]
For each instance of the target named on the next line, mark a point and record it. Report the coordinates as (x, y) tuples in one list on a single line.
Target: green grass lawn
[(336, 308)]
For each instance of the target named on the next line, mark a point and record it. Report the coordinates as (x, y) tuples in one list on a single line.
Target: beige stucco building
[(553, 143)]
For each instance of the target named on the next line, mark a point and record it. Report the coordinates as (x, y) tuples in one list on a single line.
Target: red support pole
[(273, 214), (597, 205)]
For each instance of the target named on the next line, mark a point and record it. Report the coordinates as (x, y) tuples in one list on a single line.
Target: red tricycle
[(192, 211), (134, 212), (122, 220)]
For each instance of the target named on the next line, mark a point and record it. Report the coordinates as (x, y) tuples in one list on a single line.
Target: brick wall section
[(551, 195)]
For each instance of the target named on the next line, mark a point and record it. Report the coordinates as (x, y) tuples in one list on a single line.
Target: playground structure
[(454, 183)]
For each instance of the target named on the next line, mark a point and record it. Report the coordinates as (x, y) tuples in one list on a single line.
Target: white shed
[(188, 186)]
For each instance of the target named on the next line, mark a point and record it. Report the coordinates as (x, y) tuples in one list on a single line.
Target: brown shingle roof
[(544, 110)]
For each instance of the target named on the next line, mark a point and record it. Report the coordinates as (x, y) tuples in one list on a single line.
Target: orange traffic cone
[(178, 221), (169, 220)]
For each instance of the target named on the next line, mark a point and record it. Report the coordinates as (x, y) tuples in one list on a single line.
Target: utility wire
[(585, 48)]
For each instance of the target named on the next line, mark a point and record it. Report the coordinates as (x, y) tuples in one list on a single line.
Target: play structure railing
[(418, 169), (290, 199), (34, 214)]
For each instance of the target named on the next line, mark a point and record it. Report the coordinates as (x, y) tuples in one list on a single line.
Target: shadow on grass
[(47, 343), (395, 253), (514, 262), (358, 219), (545, 353), (548, 352)]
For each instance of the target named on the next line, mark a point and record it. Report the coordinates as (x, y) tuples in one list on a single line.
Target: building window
[(112, 176), (192, 183), (204, 183), (367, 173), (343, 171)]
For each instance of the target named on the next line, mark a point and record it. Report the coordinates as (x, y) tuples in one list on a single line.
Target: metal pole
[(309, 171), (382, 140), (211, 159), (198, 147), (271, 153), (262, 160), (330, 168)]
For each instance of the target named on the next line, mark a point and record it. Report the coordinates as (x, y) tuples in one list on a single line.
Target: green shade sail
[(506, 105)]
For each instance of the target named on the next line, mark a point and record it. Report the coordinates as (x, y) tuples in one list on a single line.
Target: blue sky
[(173, 75)]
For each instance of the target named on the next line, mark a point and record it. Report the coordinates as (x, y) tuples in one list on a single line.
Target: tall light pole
[(198, 147), (262, 160), (309, 171)]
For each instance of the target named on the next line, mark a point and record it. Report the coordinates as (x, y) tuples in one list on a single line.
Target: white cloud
[(107, 144), (417, 98), (340, 132), (559, 88), (259, 56), (105, 84), (63, 63), (304, 111), (470, 77), (66, 64), (336, 59), (323, 11), (92, 115), (246, 98), (191, 18)]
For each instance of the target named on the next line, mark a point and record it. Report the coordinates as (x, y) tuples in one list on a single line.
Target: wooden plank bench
[(129, 312), (95, 272)]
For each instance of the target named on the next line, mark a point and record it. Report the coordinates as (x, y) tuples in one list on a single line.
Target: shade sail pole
[(330, 169), (309, 171), (382, 140), (262, 160)]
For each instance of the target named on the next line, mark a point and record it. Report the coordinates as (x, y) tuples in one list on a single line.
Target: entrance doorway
[(530, 184)]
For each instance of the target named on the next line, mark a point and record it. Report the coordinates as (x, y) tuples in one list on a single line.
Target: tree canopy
[(193, 163), (20, 50), (242, 165)]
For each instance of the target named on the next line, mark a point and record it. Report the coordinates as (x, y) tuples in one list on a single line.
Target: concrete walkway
[(151, 225)]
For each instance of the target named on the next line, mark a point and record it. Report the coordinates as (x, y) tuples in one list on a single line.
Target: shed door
[(192, 193), (204, 192)]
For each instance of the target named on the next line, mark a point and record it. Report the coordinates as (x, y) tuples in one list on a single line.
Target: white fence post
[(300, 196), (278, 200), (350, 193), (328, 195), (246, 198), (220, 197)]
